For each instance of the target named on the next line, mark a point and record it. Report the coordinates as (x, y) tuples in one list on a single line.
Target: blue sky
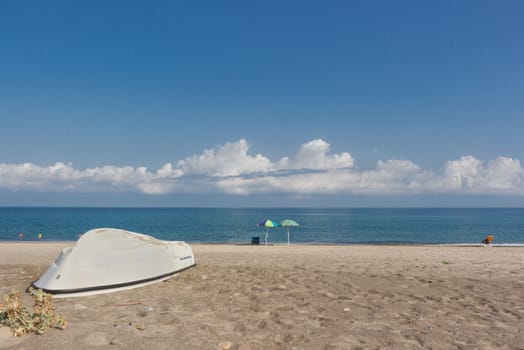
[(240, 103)]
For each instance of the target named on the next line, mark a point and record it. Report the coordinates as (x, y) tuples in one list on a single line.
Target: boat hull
[(108, 260)]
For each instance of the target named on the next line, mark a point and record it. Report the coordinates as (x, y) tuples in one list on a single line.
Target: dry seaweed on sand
[(20, 320)]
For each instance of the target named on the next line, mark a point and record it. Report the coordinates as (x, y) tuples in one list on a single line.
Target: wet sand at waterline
[(294, 297)]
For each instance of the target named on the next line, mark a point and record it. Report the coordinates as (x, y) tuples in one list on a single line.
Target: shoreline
[(293, 297), (299, 244)]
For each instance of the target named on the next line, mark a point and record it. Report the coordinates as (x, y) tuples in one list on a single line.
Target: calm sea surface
[(239, 225)]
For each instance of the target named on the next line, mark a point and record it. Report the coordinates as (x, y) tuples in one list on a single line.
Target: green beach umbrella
[(288, 223), (267, 224)]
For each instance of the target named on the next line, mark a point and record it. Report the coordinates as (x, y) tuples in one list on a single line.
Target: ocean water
[(375, 226)]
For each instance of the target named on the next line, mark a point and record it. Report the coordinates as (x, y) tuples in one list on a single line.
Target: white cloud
[(230, 169), (388, 177), (313, 155), (502, 175), (461, 174), (28, 175), (62, 177), (230, 159)]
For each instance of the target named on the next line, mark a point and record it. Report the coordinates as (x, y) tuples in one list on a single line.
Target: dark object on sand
[(255, 240)]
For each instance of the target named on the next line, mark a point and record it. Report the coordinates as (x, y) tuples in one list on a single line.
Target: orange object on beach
[(488, 239)]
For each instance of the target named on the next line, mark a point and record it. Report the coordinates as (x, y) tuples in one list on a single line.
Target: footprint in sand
[(97, 339)]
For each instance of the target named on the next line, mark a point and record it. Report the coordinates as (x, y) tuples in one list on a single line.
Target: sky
[(262, 103)]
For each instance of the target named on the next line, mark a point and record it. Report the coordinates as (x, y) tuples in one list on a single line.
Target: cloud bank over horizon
[(231, 169)]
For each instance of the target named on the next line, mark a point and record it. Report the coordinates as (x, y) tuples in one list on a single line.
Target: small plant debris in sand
[(14, 314)]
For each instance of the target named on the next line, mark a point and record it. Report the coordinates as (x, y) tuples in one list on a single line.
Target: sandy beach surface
[(294, 297)]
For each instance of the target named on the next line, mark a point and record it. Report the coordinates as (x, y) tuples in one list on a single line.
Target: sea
[(240, 226)]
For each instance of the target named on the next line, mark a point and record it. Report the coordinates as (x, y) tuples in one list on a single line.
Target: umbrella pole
[(267, 233), (288, 236)]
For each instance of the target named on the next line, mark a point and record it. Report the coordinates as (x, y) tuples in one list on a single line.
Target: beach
[(293, 297)]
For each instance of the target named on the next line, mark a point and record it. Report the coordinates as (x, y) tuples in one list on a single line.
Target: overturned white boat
[(106, 260)]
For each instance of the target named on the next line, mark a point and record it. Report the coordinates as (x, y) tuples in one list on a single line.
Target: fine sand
[(296, 297)]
